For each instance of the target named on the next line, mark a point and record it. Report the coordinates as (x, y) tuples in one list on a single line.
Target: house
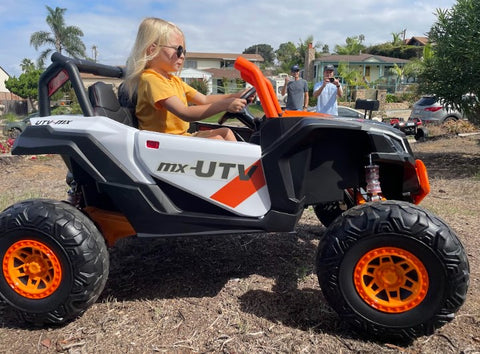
[(5, 94), (224, 78), (373, 67), (215, 68), (417, 41), (9, 101)]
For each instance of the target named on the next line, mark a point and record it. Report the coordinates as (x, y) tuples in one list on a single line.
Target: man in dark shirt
[(296, 90)]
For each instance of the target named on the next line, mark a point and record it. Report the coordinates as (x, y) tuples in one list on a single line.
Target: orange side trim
[(422, 180), (237, 190), (113, 225), (305, 114)]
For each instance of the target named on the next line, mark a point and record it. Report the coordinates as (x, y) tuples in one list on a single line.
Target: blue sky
[(214, 25)]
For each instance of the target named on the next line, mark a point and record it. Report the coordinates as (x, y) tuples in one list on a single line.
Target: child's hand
[(237, 105)]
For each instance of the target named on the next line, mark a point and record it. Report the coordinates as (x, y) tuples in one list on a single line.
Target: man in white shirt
[(327, 91)]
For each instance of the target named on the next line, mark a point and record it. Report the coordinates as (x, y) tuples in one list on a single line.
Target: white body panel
[(202, 167)]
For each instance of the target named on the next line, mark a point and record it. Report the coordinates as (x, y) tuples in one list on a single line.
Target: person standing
[(296, 90), (327, 91)]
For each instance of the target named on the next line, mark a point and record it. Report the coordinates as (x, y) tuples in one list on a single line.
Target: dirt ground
[(244, 293)]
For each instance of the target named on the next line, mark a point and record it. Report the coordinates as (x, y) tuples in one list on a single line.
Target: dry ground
[(242, 294)]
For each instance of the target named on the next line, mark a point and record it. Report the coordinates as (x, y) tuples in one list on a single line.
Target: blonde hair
[(152, 30)]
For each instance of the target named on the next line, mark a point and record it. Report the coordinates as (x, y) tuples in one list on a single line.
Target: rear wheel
[(392, 270), (450, 119), (14, 133), (54, 261), (421, 134)]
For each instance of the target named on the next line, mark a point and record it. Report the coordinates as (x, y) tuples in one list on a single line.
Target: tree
[(265, 50), (399, 73), (26, 85), (352, 76), (353, 46), (62, 38), (453, 71), (397, 39), (27, 65), (287, 55)]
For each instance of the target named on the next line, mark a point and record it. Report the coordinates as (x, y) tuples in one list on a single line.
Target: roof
[(417, 40), (229, 74), (2, 69), (194, 74), (361, 58), (224, 56)]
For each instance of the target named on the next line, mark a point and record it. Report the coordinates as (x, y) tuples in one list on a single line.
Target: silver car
[(429, 110), (347, 112)]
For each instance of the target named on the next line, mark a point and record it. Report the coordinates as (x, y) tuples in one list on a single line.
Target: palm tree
[(353, 46), (396, 38), (62, 38), (27, 65)]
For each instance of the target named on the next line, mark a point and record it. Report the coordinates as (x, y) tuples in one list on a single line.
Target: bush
[(451, 128), (391, 98), (200, 85), (10, 117), (59, 110), (6, 146), (459, 126)]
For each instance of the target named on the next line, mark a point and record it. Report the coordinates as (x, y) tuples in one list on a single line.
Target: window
[(190, 64), (224, 64)]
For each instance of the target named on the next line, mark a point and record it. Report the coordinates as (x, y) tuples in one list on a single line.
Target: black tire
[(421, 135), (449, 119), (54, 261), (392, 270)]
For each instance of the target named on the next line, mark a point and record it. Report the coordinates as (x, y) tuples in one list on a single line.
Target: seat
[(127, 102), (105, 103)]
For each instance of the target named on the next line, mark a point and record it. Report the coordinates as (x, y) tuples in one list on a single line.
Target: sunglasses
[(179, 50)]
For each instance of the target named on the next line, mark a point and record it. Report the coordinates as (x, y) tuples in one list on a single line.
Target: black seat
[(105, 103), (127, 102)]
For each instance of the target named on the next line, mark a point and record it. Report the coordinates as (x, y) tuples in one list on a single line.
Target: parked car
[(429, 110), (348, 112), (15, 128), (343, 112)]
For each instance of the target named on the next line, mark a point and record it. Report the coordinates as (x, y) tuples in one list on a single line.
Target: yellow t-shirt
[(154, 87)]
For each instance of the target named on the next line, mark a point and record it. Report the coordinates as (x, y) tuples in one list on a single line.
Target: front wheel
[(392, 270), (54, 261)]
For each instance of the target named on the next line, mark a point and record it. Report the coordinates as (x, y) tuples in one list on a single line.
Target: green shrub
[(10, 117), (61, 110), (391, 98), (200, 85)]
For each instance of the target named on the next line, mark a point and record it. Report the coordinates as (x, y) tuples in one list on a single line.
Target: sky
[(213, 26)]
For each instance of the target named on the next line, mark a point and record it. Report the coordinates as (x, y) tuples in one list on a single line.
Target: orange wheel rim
[(32, 269), (391, 279)]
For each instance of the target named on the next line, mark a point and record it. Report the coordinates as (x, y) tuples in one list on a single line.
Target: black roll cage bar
[(63, 69)]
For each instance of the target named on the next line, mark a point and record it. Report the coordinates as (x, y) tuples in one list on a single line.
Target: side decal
[(241, 187)]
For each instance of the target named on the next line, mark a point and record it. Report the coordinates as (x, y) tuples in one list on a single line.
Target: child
[(163, 98)]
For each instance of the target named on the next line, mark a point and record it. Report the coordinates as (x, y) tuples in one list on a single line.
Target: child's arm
[(205, 106)]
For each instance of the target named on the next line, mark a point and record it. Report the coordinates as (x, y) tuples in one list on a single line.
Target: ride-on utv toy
[(387, 266)]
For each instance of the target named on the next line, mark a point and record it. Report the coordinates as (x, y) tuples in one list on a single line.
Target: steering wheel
[(244, 116)]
